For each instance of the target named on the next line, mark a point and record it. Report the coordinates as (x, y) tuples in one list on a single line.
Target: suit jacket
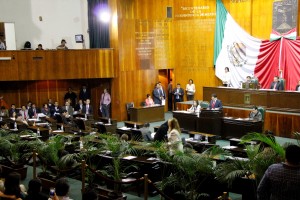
[(156, 96), (77, 107), (69, 110), (218, 104), (297, 87), (11, 111), (84, 95), (55, 110), (24, 114), (178, 97), (90, 109), (31, 112), (279, 86)]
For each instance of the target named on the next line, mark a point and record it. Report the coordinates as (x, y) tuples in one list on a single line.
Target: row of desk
[(213, 122)]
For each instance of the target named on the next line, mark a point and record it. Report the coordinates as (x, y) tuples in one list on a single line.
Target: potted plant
[(16, 153)]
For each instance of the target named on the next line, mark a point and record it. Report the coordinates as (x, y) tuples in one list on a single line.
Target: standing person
[(162, 93), (215, 103), (62, 45), (276, 84), (190, 90), (178, 95), (174, 139), (227, 78), (170, 95), (105, 103), (298, 86), (2, 45), (157, 94), (84, 93), (72, 96), (282, 180)]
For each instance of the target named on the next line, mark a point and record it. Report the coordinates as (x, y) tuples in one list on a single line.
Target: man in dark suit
[(12, 110), (215, 103), (68, 107), (162, 132), (87, 108), (276, 84), (178, 95), (84, 93), (298, 86), (33, 111), (157, 96), (56, 110)]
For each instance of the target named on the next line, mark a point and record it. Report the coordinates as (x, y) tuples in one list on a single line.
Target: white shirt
[(227, 78), (190, 88)]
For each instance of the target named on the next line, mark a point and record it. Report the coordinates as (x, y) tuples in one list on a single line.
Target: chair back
[(204, 104), (262, 112)]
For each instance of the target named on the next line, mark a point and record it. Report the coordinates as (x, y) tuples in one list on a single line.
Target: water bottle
[(0, 118), (206, 138), (62, 127), (38, 133), (15, 125), (80, 144), (108, 120), (134, 125), (85, 116)]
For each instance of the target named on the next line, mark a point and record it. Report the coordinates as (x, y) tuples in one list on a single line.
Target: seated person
[(12, 186), (3, 112), (45, 110), (87, 108), (56, 109), (255, 114), (66, 118), (79, 106), (33, 111), (35, 190), (215, 103), (62, 45), (298, 86), (20, 119), (124, 137), (149, 101), (62, 188), (146, 132), (276, 84), (40, 47), (162, 132), (4, 125), (195, 107)]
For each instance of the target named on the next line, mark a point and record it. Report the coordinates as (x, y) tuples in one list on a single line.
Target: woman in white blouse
[(227, 78), (190, 90), (174, 138), (195, 107)]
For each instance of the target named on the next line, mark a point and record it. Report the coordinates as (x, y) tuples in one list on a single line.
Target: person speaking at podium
[(215, 103)]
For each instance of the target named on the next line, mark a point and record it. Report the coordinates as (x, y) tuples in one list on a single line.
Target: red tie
[(213, 104), (24, 115)]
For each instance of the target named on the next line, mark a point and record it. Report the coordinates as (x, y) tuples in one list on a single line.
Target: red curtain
[(268, 62)]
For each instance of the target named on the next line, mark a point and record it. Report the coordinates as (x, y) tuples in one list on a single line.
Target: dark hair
[(178, 83), (227, 68), (148, 95), (276, 77), (63, 40), (248, 77), (64, 111), (2, 107), (90, 195), (292, 153), (18, 114), (254, 107), (12, 184), (34, 186), (191, 80), (62, 187), (27, 45), (40, 45), (214, 95)]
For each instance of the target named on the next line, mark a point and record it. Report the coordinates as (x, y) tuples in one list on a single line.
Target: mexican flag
[(245, 55), (238, 50)]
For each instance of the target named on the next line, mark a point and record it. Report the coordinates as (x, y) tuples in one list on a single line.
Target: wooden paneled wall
[(20, 92)]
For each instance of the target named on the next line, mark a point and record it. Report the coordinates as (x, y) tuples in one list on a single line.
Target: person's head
[(124, 137), (254, 109), (90, 195), (2, 108), (45, 105), (18, 116), (23, 107), (80, 101), (62, 187), (292, 153), (191, 81), (157, 85), (170, 81), (34, 186), (214, 96), (178, 85), (64, 112), (146, 125), (88, 101), (148, 96), (105, 90), (173, 124), (50, 101), (3, 125), (13, 106), (248, 78), (56, 103), (84, 87), (12, 183), (33, 105), (195, 103), (70, 90), (27, 45), (299, 82), (63, 42), (67, 103), (276, 78), (226, 69), (40, 47)]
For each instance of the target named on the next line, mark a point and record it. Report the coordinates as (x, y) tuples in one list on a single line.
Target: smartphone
[(52, 192)]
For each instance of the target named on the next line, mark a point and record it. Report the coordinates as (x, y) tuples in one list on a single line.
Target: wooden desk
[(238, 127), (131, 124), (187, 120), (147, 114), (211, 138)]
